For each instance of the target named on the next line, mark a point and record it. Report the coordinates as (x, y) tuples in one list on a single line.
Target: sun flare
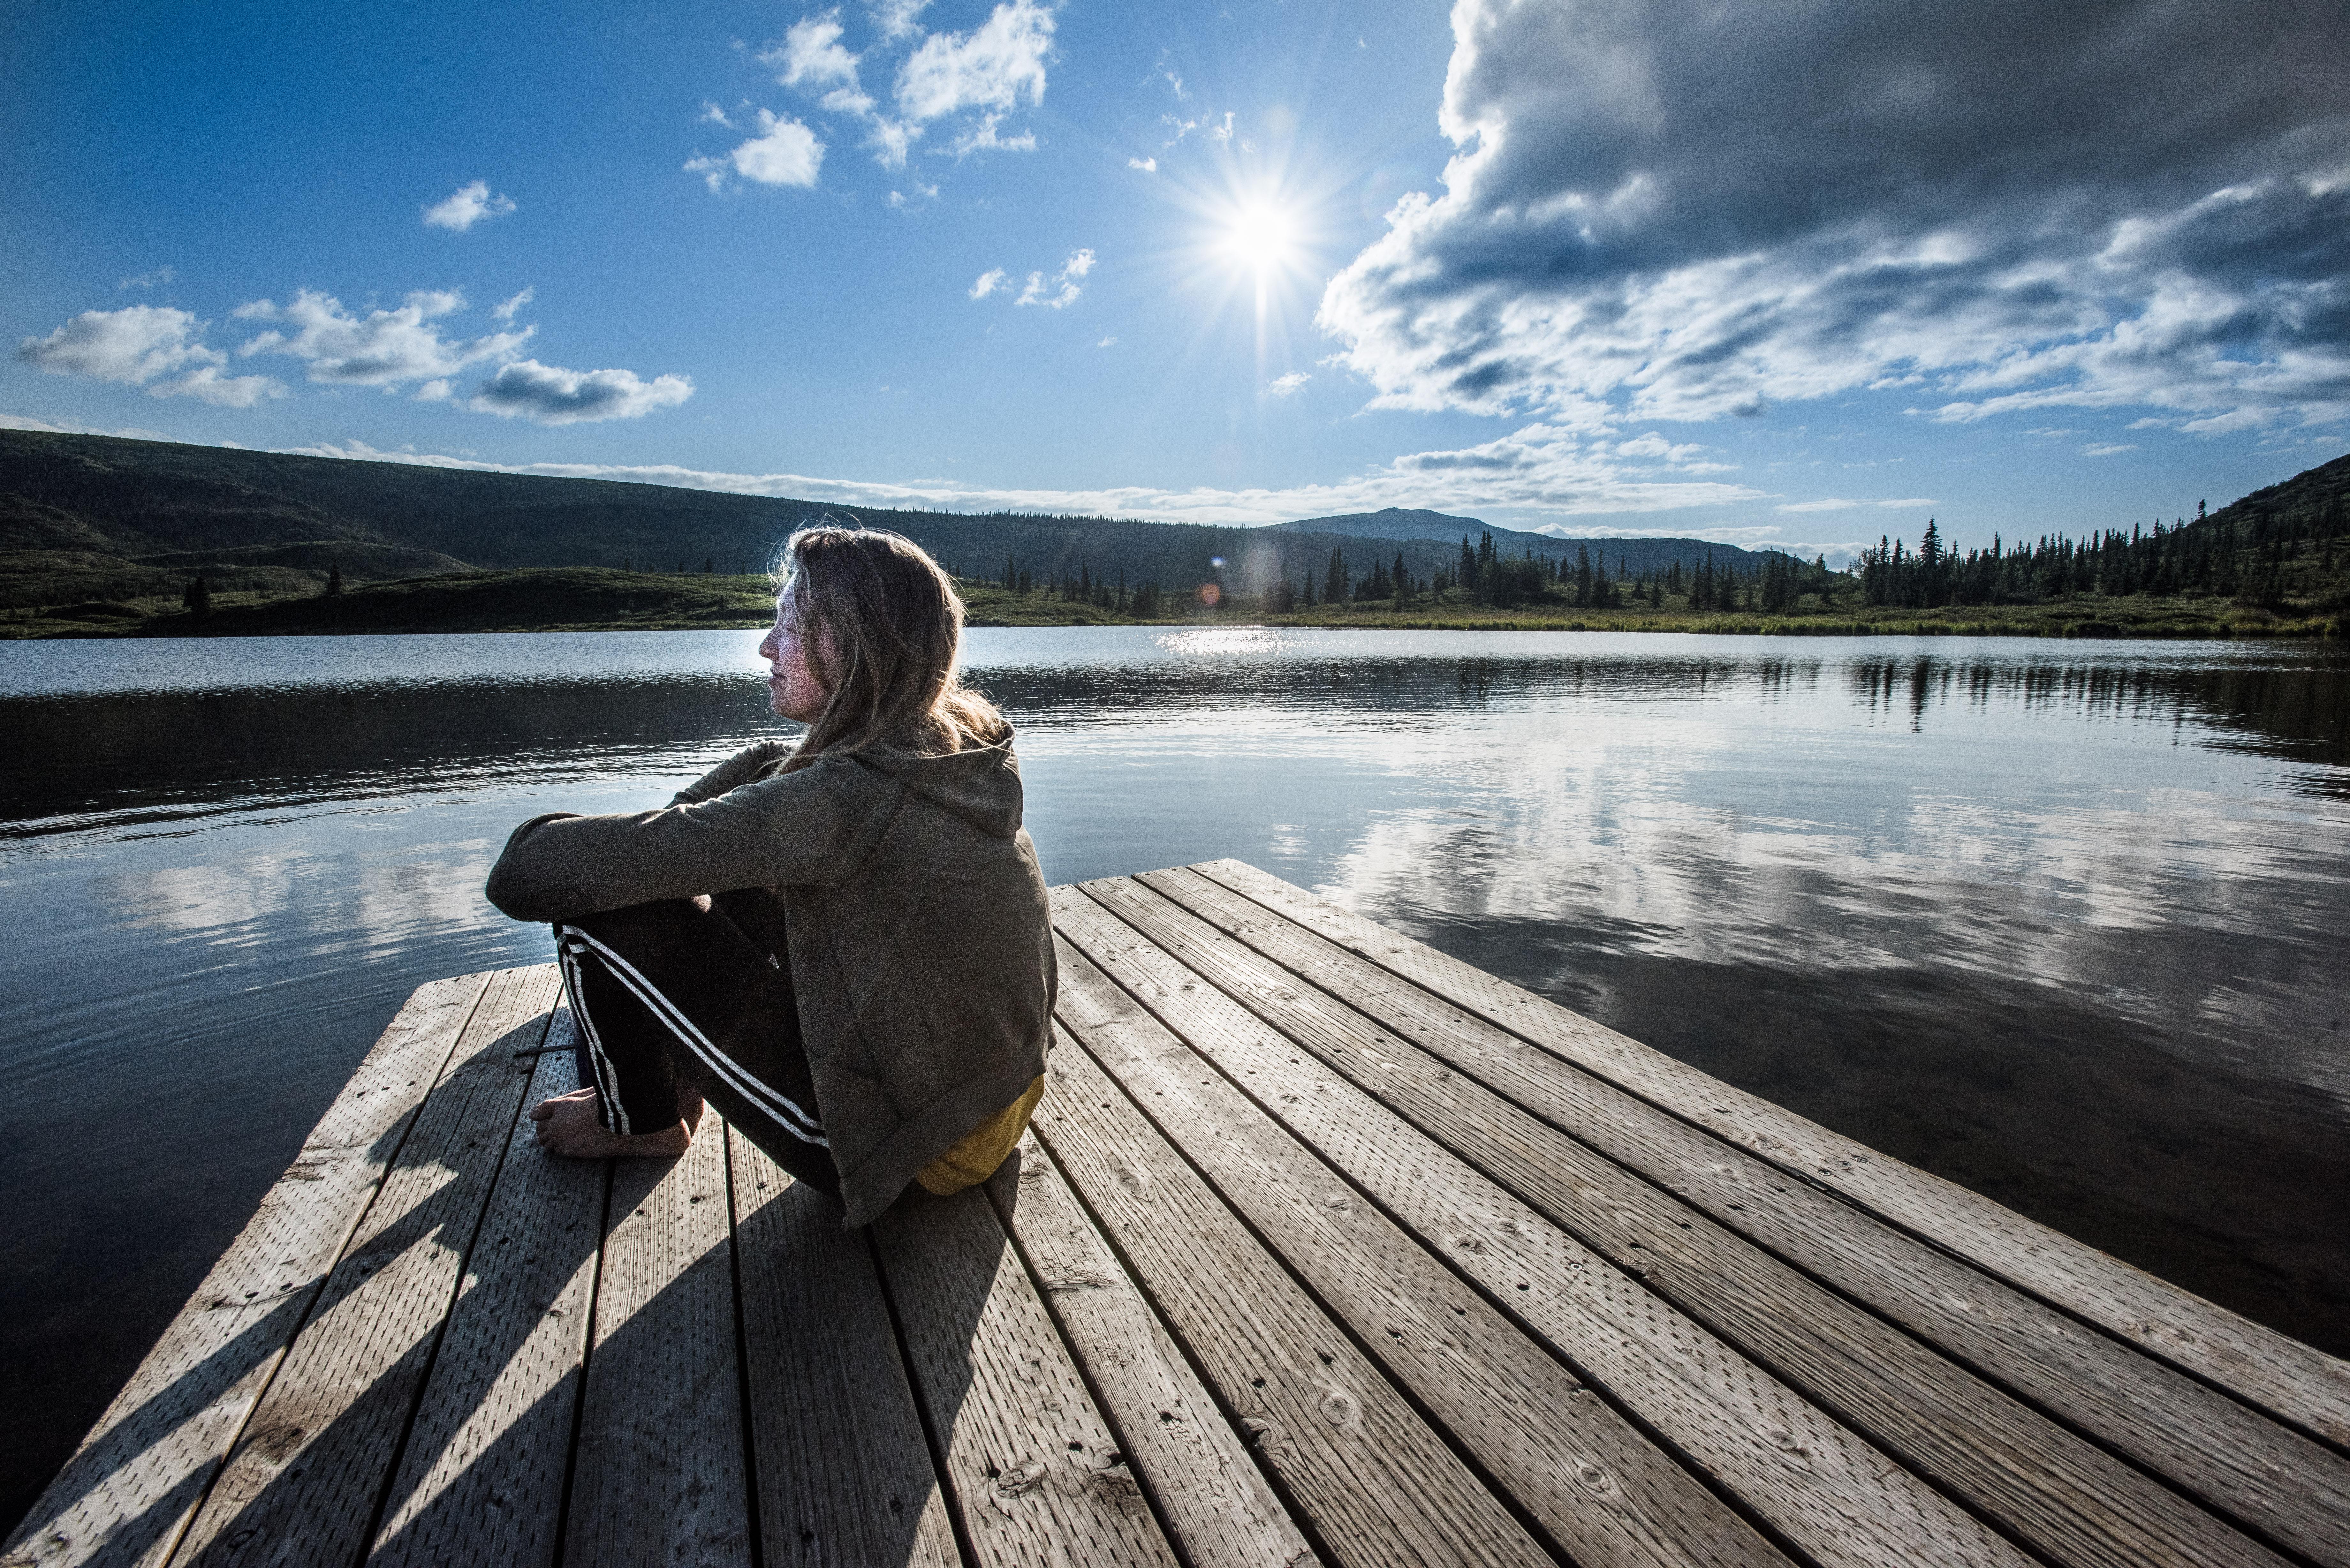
[(1259, 235)]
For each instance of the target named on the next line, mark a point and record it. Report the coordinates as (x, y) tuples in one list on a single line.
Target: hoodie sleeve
[(811, 827), (733, 772)]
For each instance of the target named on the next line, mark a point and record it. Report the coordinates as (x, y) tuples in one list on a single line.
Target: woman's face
[(793, 690)]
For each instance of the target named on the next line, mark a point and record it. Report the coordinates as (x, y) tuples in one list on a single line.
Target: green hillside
[(97, 517), (101, 536)]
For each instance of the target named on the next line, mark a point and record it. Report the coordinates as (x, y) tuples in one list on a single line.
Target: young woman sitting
[(843, 944)]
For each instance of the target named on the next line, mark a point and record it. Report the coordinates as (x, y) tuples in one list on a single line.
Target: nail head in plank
[(843, 1474), (657, 1475), (132, 1486), (2291, 1380), (1196, 1467), (302, 1484), (480, 1478), (1036, 1472)]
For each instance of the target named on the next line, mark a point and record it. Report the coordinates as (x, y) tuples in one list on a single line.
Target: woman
[(843, 944)]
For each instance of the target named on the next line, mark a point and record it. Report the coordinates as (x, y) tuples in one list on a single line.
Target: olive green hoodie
[(921, 947)]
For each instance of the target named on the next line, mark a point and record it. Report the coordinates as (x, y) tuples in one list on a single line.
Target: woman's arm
[(808, 828), (733, 772)]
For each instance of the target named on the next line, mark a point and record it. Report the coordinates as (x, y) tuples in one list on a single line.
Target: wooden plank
[(657, 1476), (1375, 1484), (2275, 1479), (1821, 1486), (843, 1472), (1194, 1466), (2074, 1502), (1035, 1473), (132, 1486), (304, 1481), (2291, 1380), (481, 1478), (1599, 1489)]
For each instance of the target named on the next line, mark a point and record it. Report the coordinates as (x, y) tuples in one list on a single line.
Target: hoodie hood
[(980, 783)]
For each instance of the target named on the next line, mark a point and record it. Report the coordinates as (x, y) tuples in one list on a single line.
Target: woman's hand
[(567, 1126)]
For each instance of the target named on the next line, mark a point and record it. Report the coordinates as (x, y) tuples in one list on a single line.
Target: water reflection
[(2060, 922)]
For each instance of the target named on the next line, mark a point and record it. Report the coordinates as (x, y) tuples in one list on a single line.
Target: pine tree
[(334, 578), (198, 600)]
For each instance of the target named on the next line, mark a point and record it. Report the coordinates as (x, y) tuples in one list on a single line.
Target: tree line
[(2248, 554)]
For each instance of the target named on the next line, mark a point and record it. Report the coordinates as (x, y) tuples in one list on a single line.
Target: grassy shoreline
[(565, 599)]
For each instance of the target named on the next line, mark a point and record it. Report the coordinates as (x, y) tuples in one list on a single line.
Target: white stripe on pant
[(760, 1094)]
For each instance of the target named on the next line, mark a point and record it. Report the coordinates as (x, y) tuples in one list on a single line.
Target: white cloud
[(1148, 165), (151, 347), (811, 59), (713, 115), (784, 153), (891, 140), (981, 76), (983, 137), (2104, 449), (993, 67), (1538, 467), (504, 309), (1107, 342), (465, 207), (1283, 386), (1059, 290), (895, 19), (74, 427), (206, 384), (382, 348), (811, 55), (900, 202), (1839, 504), (1606, 246), (550, 394), (133, 344), (992, 279), (156, 279)]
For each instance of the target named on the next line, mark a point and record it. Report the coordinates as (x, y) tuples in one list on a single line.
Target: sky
[(1799, 275)]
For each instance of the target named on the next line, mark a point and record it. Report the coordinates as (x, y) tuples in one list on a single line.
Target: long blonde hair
[(883, 629)]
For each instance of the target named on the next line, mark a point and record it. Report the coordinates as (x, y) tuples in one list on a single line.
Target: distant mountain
[(98, 517), (1387, 523), (1636, 553)]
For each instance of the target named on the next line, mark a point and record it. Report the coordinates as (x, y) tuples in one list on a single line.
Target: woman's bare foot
[(567, 1125)]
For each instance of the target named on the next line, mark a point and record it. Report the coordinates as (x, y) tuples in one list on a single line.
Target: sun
[(1259, 235)]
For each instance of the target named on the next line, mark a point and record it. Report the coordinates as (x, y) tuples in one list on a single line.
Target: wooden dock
[(1324, 1247)]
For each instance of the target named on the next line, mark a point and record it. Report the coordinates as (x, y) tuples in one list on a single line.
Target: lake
[(2063, 922)]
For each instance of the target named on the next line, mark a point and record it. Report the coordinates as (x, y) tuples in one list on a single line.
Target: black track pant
[(676, 1001)]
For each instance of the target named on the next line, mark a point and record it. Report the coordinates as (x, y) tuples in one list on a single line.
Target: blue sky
[(1652, 268)]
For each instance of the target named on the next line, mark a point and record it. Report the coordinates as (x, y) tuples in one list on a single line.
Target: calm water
[(2062, 922)]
